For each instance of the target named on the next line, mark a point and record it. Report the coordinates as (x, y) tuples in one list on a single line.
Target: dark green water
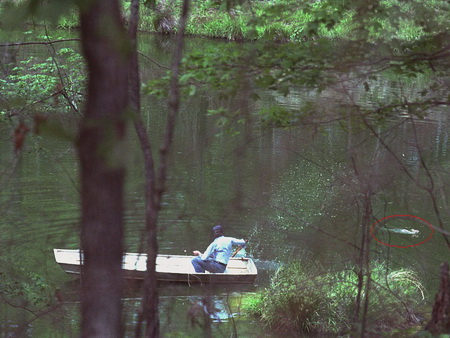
[(294, 193)]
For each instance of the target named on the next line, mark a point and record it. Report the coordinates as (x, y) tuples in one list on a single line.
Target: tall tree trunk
[(100, 144), (440, 317)]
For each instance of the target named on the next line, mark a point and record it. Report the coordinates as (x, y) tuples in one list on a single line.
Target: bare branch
[(38, 42)]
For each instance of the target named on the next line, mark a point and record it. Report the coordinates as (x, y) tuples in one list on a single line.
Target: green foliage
[(69, 20), (49, 85), (277, 116), (291, 20), (302, 299), (25, 281), (217, 69), (30, 290), (30, 79), (223, 25), (281, 20), (251, 304), (16, 13)]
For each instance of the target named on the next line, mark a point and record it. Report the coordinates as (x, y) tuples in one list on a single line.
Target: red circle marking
[(372, 230)]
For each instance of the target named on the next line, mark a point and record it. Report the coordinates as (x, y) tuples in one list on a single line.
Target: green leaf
[(192, 90)]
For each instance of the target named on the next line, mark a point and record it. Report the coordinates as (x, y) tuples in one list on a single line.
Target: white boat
[(413, 232), (169, 268)]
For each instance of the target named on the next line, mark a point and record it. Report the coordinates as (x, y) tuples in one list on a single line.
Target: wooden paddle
[(238, 249)]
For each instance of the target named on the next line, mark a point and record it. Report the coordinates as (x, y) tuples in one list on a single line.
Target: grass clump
[(300, 300), (293, 302)]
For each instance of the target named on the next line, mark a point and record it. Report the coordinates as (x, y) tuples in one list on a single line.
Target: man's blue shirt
[(220, 249)]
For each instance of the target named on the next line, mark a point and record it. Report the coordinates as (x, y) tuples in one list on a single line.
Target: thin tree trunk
[(150, 302), (363, 272), (150, 307), (100, 143), (154, 185), (366, 258)]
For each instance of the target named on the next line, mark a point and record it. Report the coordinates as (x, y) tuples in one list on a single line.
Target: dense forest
[(359, 92)]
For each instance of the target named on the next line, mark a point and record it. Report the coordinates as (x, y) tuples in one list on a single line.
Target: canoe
[(169, 268)]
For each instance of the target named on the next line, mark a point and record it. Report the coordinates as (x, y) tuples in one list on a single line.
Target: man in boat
[(218, 253)]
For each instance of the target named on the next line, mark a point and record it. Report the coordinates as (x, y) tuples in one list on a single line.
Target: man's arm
[(241, 242), (208, 252), (204, 255)]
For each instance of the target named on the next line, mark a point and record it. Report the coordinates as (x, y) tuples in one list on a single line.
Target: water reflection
[(197, 310)]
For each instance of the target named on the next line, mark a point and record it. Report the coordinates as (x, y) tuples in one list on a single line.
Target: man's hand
[(243, 245), (196, 253)]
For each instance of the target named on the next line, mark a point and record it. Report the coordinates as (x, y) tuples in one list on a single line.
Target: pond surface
[(295, 193)]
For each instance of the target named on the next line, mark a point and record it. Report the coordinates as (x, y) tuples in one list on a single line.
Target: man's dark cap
[(218, 229)]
